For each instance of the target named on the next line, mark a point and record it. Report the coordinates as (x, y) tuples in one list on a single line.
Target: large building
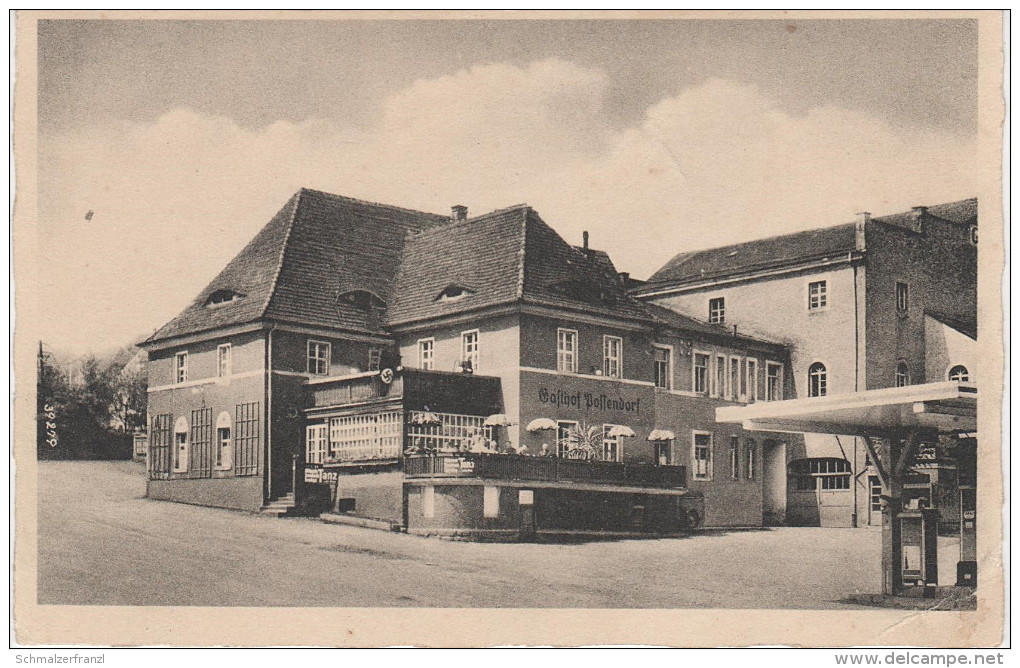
[(880, 302), (449, 374), (364, 333)]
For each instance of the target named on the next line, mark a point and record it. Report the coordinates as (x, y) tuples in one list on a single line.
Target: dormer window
[(453, 292), (361, 299), (222, 296)]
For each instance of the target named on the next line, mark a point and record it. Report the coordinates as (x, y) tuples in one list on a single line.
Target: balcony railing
[(519, 467)]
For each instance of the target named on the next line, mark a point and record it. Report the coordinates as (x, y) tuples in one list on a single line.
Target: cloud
[(175, 199)]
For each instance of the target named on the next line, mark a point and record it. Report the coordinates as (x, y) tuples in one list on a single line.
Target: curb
[(363, 522)]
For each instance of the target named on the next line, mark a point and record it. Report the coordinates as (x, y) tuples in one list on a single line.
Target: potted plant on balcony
[(584, 442)]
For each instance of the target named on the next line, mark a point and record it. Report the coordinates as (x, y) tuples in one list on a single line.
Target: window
[(902, 297), (733, 387), (817, 380), (490, 501), (316, 439), (374, 358), (181, 365), (664, 367), (426, 354), (377, 436), (664, 452), (773, 381), (717, 310), (820, 473), (752, 380), (223, 361), (221, 297), (469, 349), (224, 444), (902, 374), (181, 445), (818, 295), (610, 445), (720, 377), (959, 373), (752, 453), (563, 429), (699, 382), (566, 350), (318, 358), (612, 356), (734, 457), (702, 455)]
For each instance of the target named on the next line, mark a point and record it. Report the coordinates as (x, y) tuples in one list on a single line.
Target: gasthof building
[(484, 377)]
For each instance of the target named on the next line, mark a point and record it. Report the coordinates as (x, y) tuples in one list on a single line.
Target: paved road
[(101, 542)]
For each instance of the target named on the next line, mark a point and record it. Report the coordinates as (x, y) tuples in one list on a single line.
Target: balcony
[(552, 469), (414, 389)]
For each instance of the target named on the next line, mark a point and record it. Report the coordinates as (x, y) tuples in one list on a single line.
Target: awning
[(541, 424), (947, 407), (621, 430), (661, 435)]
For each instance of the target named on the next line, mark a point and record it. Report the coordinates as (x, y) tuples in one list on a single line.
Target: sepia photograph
[(491, 328)]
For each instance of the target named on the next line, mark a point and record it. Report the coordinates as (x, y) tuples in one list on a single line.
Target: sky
[(659, 137)]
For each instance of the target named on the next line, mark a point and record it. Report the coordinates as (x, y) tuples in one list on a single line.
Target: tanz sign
[(588, 401)]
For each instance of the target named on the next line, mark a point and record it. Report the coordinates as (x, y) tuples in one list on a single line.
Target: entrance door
[(874, 501), (774, 483)]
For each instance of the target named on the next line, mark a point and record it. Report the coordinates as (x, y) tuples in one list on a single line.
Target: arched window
[(959, 373), (224, 442), (902, 374), (181, 445), (820, 473), (817, 380)]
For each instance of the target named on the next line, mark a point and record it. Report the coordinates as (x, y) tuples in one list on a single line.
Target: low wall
[(234, 493), (458, 508), (376, 496)]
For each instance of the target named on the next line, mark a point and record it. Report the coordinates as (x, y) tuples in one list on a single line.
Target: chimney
[(919, 214), (624, 277), (584, 237), (458, 212), (863, 217)]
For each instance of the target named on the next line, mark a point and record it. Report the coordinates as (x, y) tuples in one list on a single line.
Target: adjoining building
[(372, 359), (882, 302)]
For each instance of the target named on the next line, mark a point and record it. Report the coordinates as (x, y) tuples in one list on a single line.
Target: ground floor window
[(181, 445), (701, 457), (752, 455), (316, 443), (224, 444), (664, 453), (365, 437), (446, 432), (563, 431), (734, 457), (610, 444), (820, 473)]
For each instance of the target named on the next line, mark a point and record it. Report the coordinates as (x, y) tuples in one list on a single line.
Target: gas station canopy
[(948, 407)]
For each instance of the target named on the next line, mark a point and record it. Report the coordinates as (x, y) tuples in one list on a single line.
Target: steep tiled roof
[(482, 254), (504, 257), (753, 255), (560, 275), (315, 247)]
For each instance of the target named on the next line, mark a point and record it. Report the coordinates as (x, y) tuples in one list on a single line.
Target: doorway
[(773, 483)]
